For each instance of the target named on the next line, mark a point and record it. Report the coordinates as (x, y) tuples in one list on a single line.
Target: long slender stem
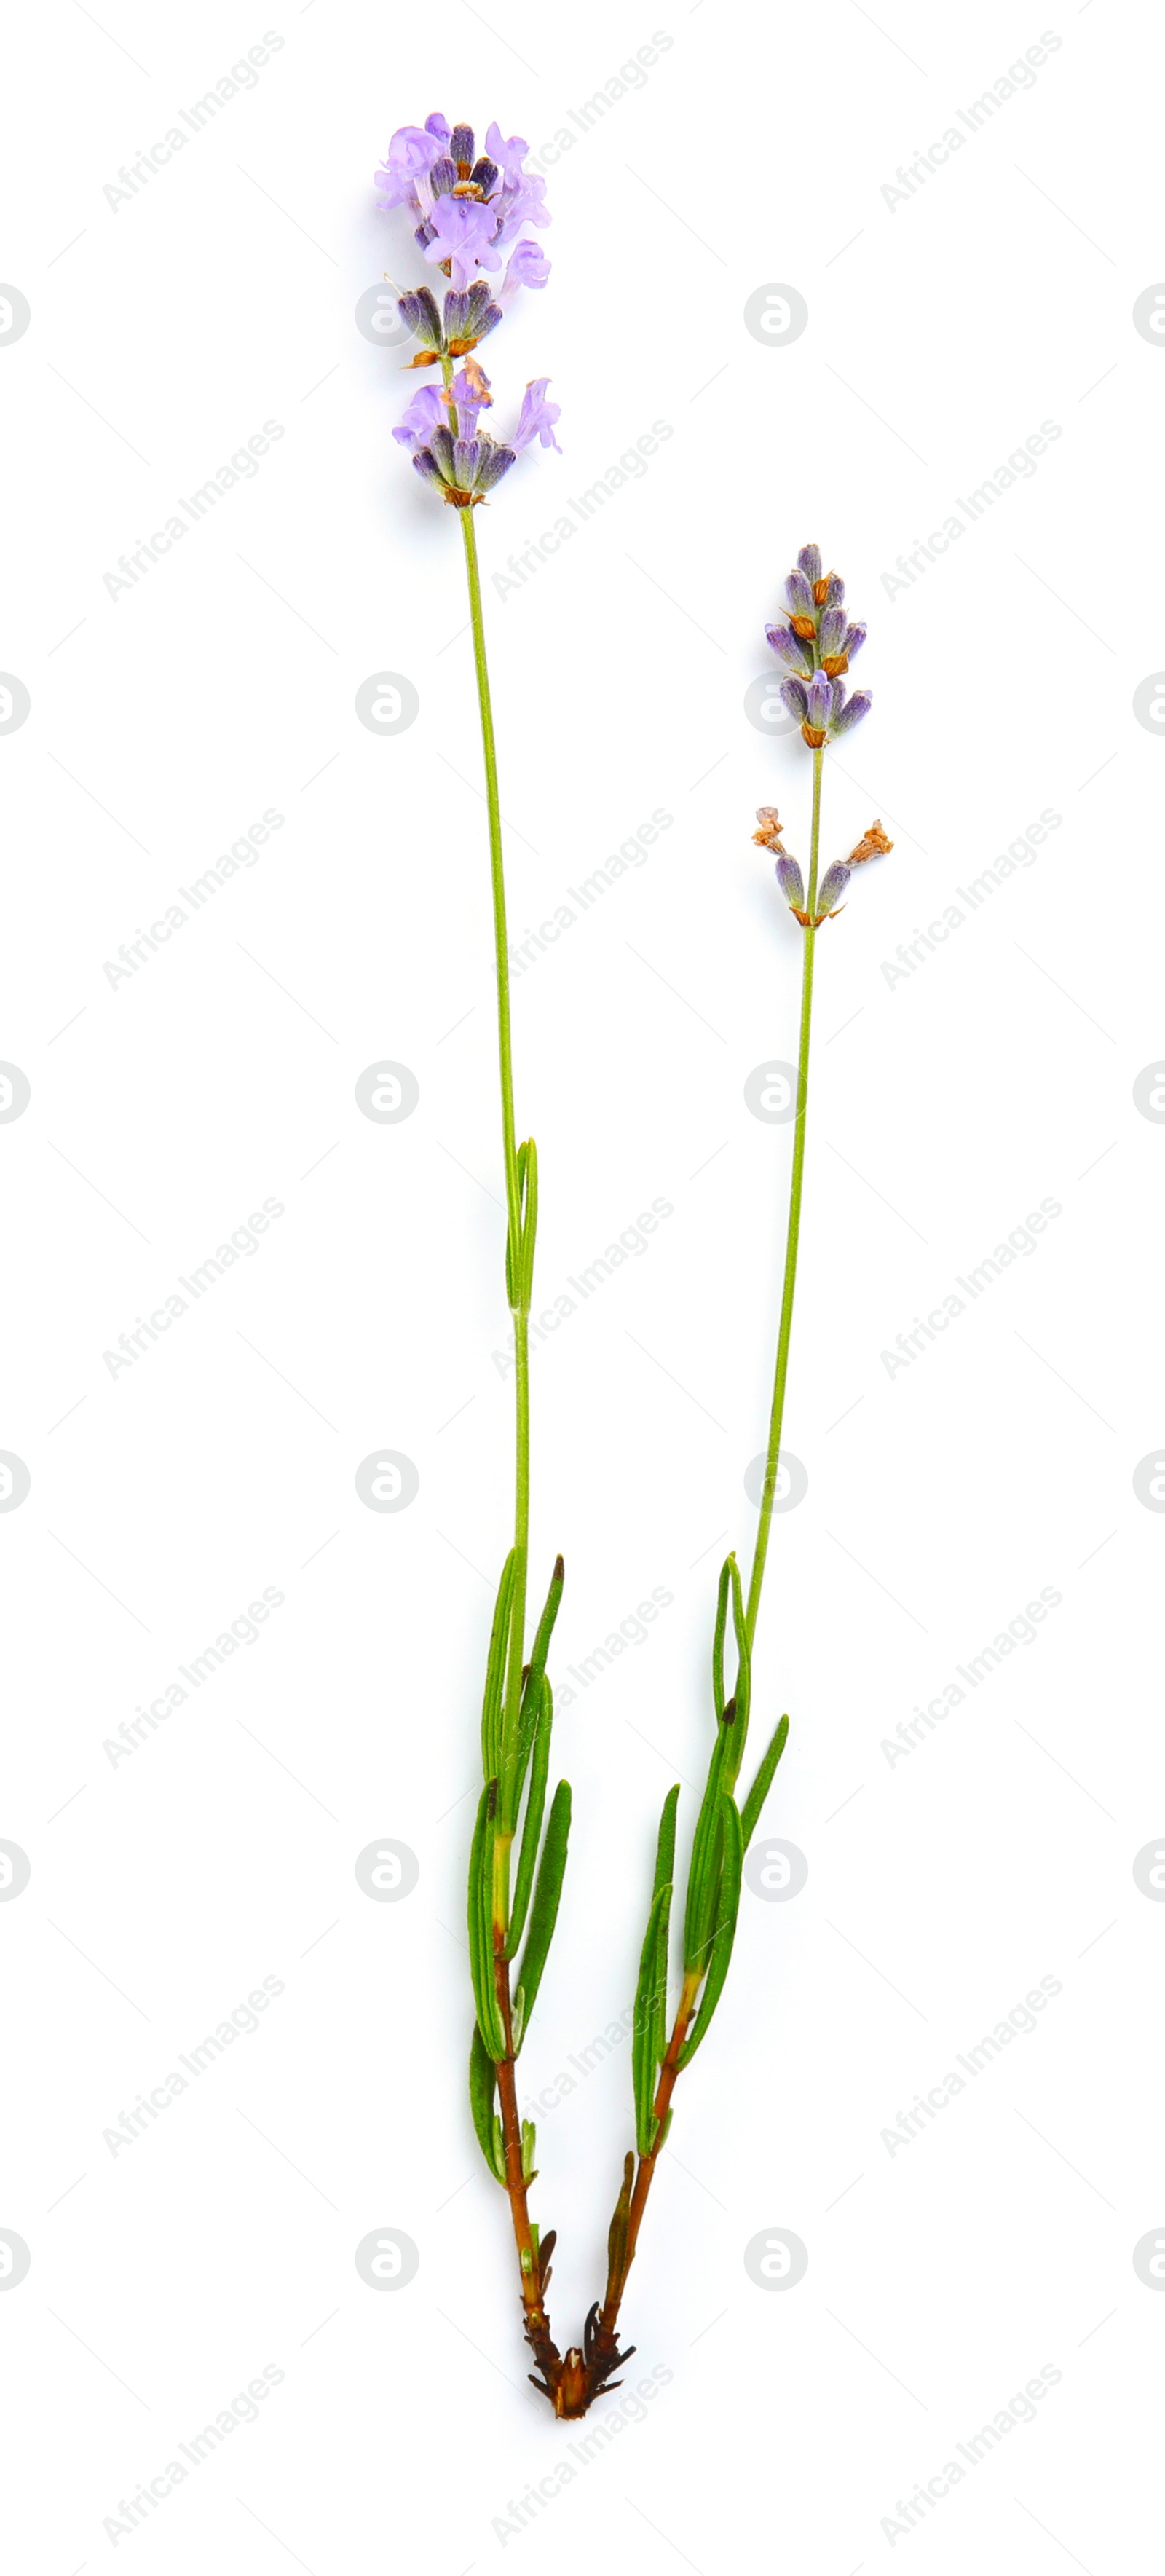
[(519, 1307), (793, 1234), (516, 2188), (624, 2250)]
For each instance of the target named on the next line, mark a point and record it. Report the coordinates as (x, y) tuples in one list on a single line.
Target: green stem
[(519, 1308), (792, 1238)]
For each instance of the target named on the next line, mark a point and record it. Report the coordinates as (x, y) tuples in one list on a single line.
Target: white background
[(943, 330)]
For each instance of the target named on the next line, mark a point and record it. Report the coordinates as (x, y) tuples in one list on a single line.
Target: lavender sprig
[(816, 642), (471, 211)]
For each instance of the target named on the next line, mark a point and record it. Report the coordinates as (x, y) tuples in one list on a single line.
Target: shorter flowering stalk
[(817, 643)]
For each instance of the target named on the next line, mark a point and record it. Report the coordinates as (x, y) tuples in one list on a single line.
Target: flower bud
[(833, 884), (789, 649), (849, 716), (792, 885)]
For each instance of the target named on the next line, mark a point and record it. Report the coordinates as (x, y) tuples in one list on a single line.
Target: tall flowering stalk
[(817, 643), (470, 216)]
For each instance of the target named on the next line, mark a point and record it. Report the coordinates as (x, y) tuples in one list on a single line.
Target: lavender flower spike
[(816, 644)]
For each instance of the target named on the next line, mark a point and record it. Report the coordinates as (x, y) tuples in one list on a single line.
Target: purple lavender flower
[(528, 266), (463, 470), (409, 159), (537, 416), (440, 429), (461, 236), (472, 211), (468, 207), (821, 708), (816, 641)]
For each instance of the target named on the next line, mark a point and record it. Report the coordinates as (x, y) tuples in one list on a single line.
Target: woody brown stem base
[(572, 2380)]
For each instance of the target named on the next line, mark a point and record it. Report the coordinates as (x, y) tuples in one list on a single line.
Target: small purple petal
[(795, 698), (830, 633), (425, 414), (527, 266), (510, 156), (438, 125), (791, 883), (537, 417), (855, 637), (833, 885), (835, 592), (809, 561), (426, 464), (461, 144), (799, 595), (859, 706)]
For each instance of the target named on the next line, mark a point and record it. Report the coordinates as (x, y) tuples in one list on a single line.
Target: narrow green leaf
[(532, 1827), (544, 1911), (724, 1933), (531, 1686), (528, 1180), (480, 1924), (665, 1861), (645, 2027), (742, 1694), (617, 2232), (520, 1255), (718, 1639), (750, 1813), (483, 2084), (529, 2144), (704, 1866), (495, 1671)]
